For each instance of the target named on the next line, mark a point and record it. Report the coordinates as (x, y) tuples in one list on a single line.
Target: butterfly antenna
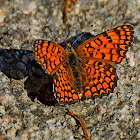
[(78, 38), (83, 33), (67, 35)]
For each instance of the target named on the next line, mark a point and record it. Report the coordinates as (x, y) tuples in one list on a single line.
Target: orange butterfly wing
[(98, 79), (49, 55), (65, 85), (52, 58), (108, 47)]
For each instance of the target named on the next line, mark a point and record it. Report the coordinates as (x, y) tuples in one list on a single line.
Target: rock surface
[(26, 113)]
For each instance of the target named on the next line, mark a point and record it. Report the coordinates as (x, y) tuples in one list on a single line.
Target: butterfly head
[(68, 46)]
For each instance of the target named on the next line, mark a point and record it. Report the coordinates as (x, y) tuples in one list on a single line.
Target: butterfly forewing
[(49, 55), (108, 47)]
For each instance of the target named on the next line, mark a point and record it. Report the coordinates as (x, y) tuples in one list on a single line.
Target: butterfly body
[(85, 71), (72, 63)]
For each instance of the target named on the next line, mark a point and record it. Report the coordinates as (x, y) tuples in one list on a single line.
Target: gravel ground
[(28, 109)]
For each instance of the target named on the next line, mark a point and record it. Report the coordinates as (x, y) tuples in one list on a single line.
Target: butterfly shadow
[(18, 64)]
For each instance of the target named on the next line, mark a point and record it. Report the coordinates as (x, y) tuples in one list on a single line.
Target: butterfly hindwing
[(65, 85), (98, 79)]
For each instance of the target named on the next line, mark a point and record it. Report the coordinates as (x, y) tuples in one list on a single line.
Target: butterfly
[(85, 71)]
